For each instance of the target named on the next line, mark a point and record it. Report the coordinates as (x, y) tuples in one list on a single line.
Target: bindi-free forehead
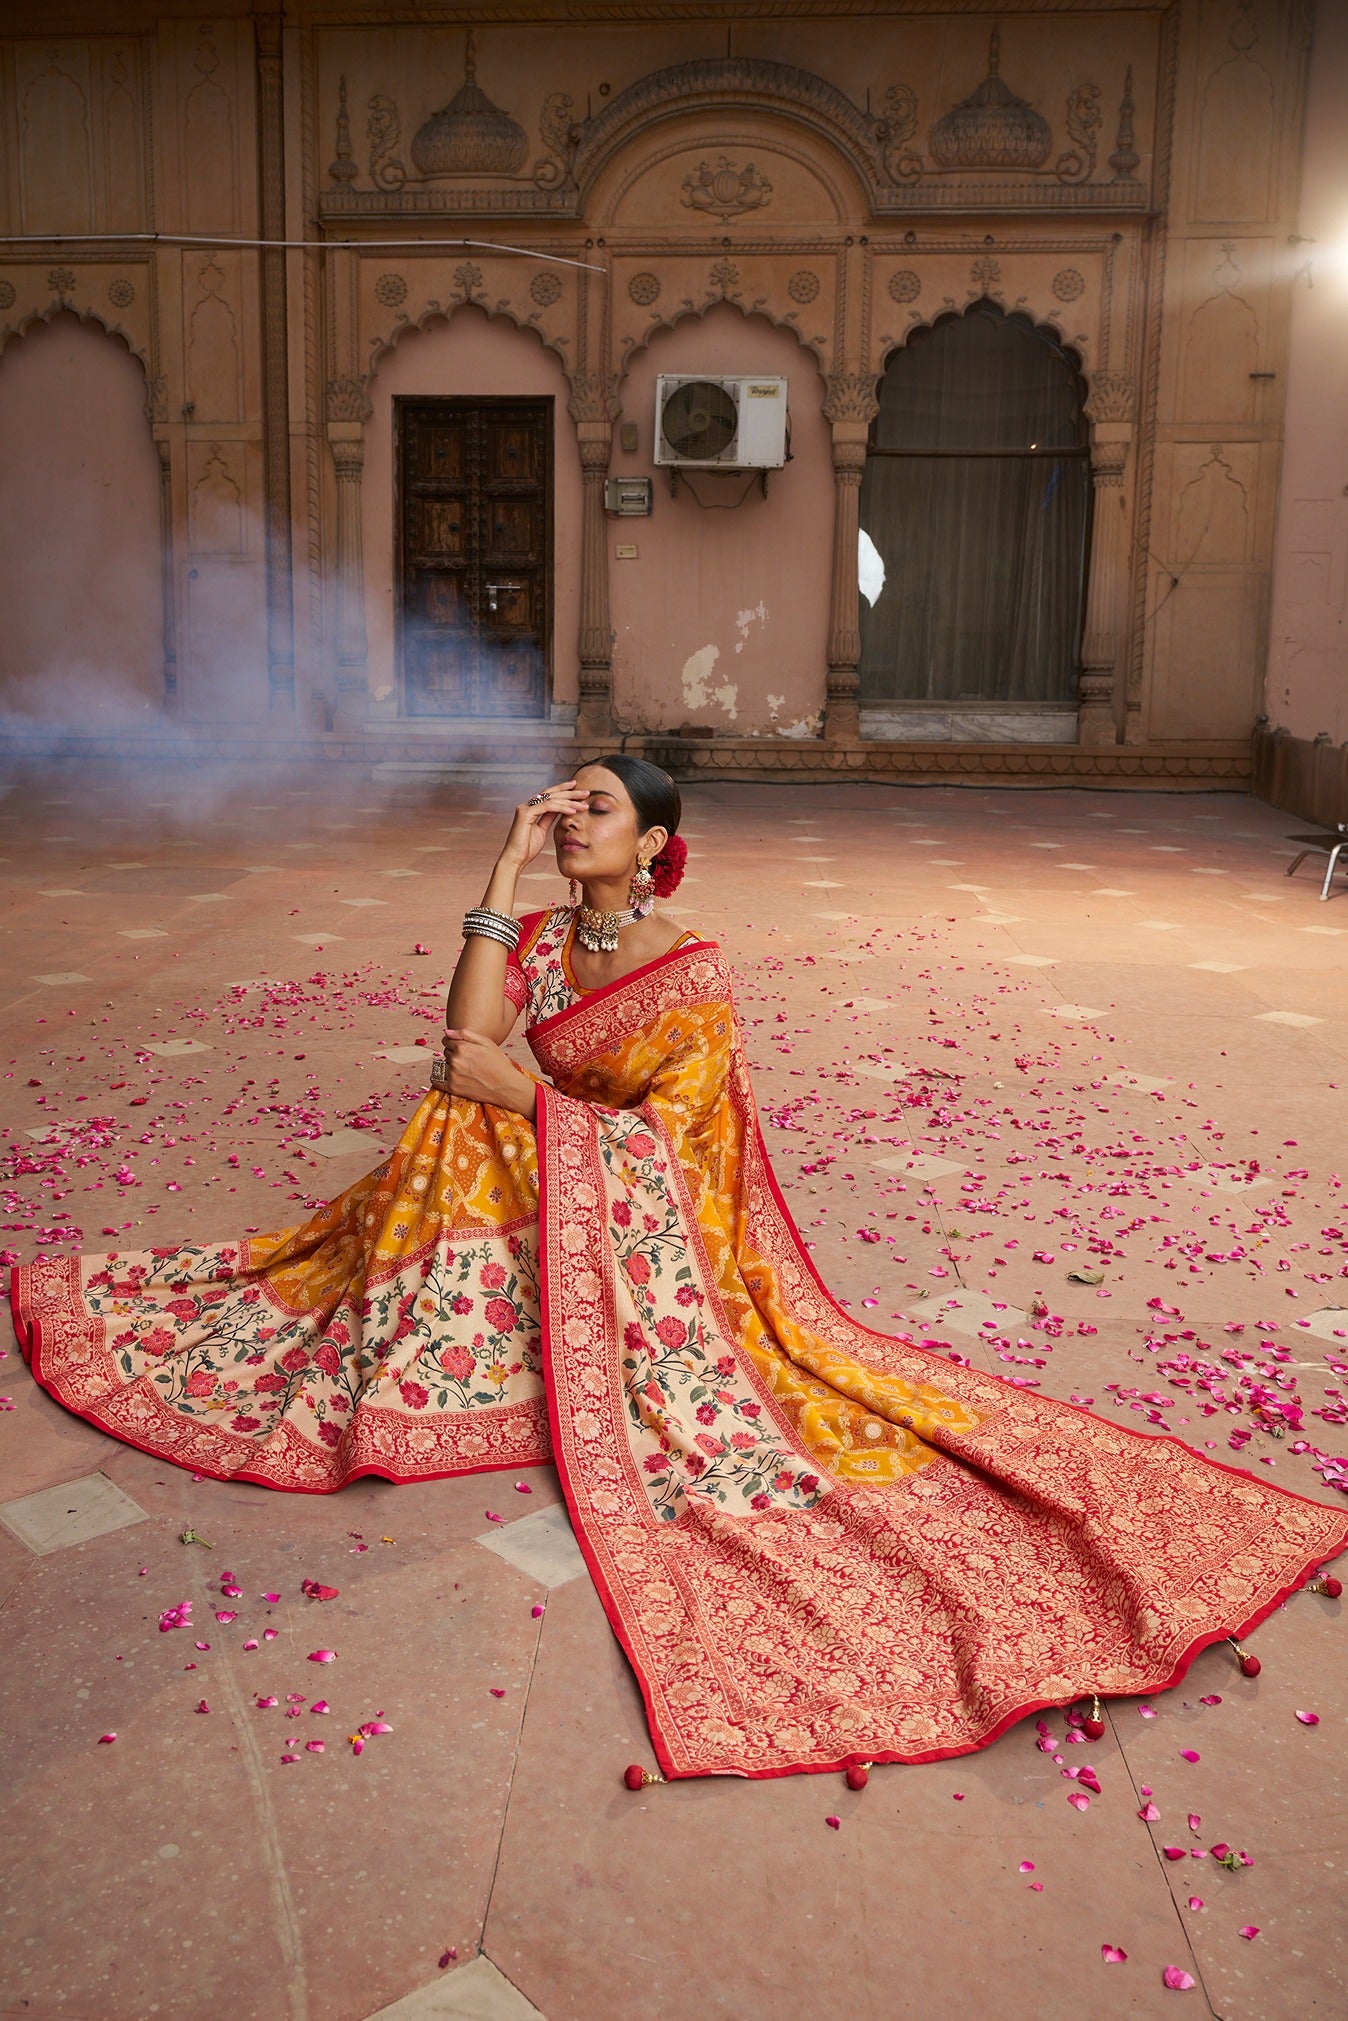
[(604, 788)]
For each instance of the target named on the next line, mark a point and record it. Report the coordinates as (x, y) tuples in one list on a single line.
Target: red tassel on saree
[(817, 1544)]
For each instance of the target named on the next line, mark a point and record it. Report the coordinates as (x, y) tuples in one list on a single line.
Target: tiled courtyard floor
[(1136, 1023)]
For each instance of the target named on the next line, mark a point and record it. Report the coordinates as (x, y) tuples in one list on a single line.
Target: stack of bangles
[(492, 926)]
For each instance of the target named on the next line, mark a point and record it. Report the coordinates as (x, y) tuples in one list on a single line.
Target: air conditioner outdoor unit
[(736, 423)]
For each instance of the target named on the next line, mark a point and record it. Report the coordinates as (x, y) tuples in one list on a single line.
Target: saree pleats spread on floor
[(817, 1544)]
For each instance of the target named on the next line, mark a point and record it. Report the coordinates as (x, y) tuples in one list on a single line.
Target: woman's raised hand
[(535, 818)]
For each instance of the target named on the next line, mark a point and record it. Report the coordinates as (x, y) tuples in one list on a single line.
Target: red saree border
[(594, 998), (29, 1333)]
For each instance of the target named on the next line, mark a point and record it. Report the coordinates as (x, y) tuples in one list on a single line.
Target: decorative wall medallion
[(905, 286), (803, 286), (470, 135), (726, 192), (6, 295), (991, 128), (121, 294), (391, 290), (545, 289), (985, 274), (60, 280), (644, 288), (1068, 285)]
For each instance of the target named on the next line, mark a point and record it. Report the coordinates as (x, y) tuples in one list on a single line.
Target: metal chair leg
[(1296, 861), (1329, 868)]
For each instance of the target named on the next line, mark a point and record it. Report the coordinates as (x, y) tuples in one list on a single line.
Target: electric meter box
[(628, 497)]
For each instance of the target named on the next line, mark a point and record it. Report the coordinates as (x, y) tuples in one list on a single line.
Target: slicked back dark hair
[(651, 791)]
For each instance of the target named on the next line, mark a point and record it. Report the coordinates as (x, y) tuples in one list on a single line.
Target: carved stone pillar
[(591, 408), (275, 364), (165, 450), (851, 406), (1109, 407), (347, 412)]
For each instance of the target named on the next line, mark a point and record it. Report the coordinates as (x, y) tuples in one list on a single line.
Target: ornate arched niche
[(81, 573), (464, 354)]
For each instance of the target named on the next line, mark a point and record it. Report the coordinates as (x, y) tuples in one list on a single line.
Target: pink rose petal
[(263, 1703), (322, 1655), (1212, 1698), (251, 1645), (375, 1726), (270, 1634), (1194, 1820), (1188, 1754), (834, 1823), (522, 1489), (1112, 1955), (491, 1518), (1078, 1801), (271, 1598), (1195, 1901), (1036, 1887), (104, 1739), (315, 1746), (1249, 1931), (1027, 1866), (496, 1691), (1309, 1718), (224, 1614), (320, 1705), (1149, 1814), (1173, 1852), (537, 1613), (1178, 1980), (957, 1796)]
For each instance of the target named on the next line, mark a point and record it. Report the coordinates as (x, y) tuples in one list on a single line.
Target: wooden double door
[(474, 564)]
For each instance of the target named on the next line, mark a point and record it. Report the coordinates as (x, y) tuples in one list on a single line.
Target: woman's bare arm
[(477, 999)]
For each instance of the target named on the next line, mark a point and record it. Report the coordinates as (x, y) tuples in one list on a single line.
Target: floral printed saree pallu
[(817, 1544)]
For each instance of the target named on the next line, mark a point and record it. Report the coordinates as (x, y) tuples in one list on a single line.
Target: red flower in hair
[(667, 869)]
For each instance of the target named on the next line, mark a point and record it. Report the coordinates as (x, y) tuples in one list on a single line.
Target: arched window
[(977, 498)]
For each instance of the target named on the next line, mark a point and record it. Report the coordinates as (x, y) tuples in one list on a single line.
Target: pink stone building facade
[(326, 334)]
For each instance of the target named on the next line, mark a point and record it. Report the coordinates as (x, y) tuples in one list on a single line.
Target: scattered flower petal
[(1078, 1801), (1249, 1931), (104, 1739), (1149, 1814), (1027, 1866), (1178, 1980), (1112, 1955), (1309, 1718), (834, 1823), (1189, 1754), (1195, 1901), (322, 1655)]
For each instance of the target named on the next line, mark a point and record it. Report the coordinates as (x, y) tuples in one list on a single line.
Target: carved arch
[(381, 344), (633, 347), (718, 84), (116, 331), (1043, 325)]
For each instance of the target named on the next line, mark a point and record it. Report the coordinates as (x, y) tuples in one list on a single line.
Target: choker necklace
[(598, 931)]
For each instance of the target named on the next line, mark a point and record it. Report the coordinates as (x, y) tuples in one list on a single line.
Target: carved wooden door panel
[(475, 556)]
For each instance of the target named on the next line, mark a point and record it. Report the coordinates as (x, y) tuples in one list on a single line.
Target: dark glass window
[(977, 497)]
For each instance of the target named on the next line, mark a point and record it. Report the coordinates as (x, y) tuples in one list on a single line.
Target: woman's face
[(603, 841)]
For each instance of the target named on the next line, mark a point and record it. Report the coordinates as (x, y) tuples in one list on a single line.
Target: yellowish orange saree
[(817, 1544)]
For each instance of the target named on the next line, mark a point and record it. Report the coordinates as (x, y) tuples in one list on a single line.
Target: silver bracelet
[(490, 933), (492, 926)]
